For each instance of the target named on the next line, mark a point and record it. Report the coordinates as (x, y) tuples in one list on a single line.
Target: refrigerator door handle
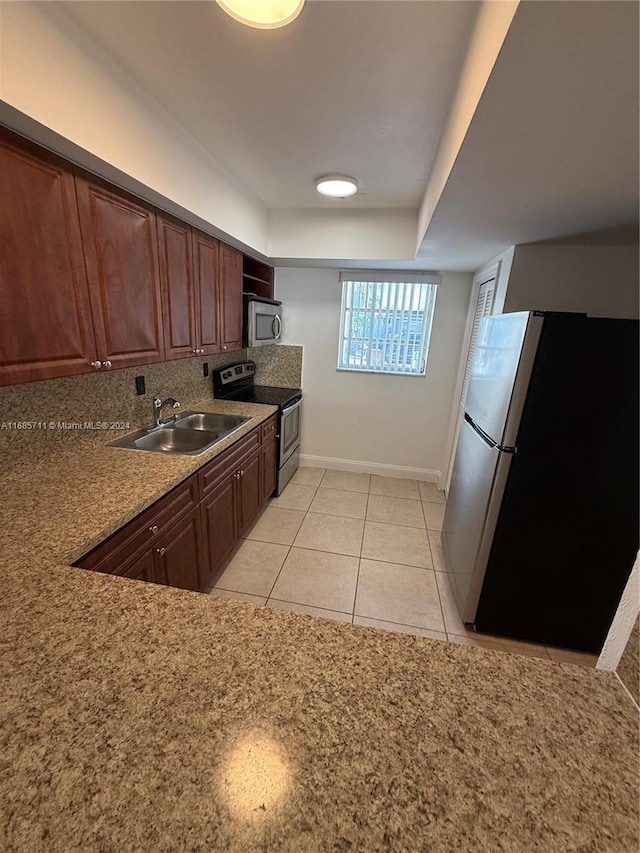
[(503, 448), (483, 435)]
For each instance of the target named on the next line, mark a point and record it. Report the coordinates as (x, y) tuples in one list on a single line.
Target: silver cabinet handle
[(224, 346), (107, 364), (201, 350), (153, 529), (242, 473), (195, 351), (161, 551), (96, 364)]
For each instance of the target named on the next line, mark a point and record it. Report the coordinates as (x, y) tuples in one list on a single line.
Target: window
[(385, 322)]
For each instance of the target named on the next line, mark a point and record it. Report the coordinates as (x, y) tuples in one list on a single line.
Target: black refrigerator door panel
[(567, 532)]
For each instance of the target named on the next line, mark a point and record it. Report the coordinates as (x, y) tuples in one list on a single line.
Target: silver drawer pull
[(153, 529), (161, 551)]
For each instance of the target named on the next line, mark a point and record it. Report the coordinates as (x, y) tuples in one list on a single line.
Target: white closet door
[(483, 309), (484, 304)]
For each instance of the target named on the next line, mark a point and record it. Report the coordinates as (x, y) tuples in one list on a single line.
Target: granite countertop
[(136, 717), (62, 507)]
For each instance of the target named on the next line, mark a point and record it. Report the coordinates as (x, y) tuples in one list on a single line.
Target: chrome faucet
[(158, 406)]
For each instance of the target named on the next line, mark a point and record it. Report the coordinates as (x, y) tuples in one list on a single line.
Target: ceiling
[(553, 147), (361, 88), (366, 87)]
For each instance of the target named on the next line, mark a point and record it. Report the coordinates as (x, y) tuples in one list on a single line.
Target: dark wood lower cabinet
[(142, 569), (218, 513), (184, 538), (269, 452), (179, 554), (250, 494)]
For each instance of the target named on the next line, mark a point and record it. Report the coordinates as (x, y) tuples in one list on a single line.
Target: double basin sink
[(189, 434)]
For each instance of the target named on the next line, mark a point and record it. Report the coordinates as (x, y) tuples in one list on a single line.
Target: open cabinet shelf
[(257, 277)]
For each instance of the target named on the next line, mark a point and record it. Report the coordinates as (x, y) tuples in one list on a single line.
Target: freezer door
[(494, 370), (475, 495)]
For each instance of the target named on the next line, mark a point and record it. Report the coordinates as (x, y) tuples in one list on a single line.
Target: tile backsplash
[(60, 409)]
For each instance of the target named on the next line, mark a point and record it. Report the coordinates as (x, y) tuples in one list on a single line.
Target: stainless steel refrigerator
[(541, 526)]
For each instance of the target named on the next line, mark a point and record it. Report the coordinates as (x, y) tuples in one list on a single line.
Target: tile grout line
[(444, 621), (290, 548), (364, 526)]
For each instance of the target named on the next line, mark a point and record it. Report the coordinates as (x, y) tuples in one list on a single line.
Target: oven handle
[(291, 408)]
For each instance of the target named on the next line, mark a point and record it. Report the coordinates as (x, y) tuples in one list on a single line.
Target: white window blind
[(385, 322)]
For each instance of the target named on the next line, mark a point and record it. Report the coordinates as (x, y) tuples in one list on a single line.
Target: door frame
[(480, 278)]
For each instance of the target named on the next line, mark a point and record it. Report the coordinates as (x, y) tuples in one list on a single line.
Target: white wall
[(600, 280), (398, 421), (357, 234), (51, 71)]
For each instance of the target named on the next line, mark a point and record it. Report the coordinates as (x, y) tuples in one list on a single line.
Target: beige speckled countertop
[(141, 718)]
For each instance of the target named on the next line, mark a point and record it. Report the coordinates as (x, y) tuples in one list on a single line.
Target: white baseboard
[(383, 470)]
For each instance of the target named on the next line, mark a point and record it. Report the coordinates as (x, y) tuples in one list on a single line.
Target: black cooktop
[(235, 382), (282, 397)]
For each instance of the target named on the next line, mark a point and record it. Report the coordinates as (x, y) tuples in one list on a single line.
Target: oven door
[(289, 430), (264, 323)]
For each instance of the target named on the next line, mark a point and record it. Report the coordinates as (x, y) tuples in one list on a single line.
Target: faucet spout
[(158, 406)]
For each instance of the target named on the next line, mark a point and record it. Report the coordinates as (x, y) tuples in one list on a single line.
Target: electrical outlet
[(140, 386), (205, 368)]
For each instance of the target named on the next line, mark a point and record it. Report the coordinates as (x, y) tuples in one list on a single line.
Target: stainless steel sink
[(191, 434), (211, 421)]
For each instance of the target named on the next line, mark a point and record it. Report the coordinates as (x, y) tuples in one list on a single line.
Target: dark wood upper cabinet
[(92, 277), (120, 248), (230, 298), (206, 263), (45, 319), (178, 287)]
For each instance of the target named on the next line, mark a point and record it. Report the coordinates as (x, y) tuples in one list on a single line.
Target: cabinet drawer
[(140, 533), (217, 469), (269, 428)]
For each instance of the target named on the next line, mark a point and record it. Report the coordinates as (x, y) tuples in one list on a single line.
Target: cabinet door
[(206, 262), (219, 524), (120, 250), (177, 287), (230, 298), (45, 321), (179, 555), (269, 452), (250, 491), (142, 569)]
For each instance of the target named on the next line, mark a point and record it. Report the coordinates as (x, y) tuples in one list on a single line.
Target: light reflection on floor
[(256, 776)]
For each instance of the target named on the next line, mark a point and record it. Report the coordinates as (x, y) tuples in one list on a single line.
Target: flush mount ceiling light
[(337, 186), (263, 14)]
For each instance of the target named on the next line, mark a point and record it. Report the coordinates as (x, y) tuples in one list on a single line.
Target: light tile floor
[(362, 549)]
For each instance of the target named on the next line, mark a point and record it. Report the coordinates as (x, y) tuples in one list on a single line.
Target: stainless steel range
[(236, 382)]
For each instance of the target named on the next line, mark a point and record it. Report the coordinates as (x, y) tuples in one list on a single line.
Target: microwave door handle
[(276, 334)]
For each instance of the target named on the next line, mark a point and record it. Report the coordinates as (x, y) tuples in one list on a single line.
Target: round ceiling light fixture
[(337, 186), (263, 14)]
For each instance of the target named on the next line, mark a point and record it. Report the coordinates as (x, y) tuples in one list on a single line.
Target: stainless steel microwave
[(262, 320)]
